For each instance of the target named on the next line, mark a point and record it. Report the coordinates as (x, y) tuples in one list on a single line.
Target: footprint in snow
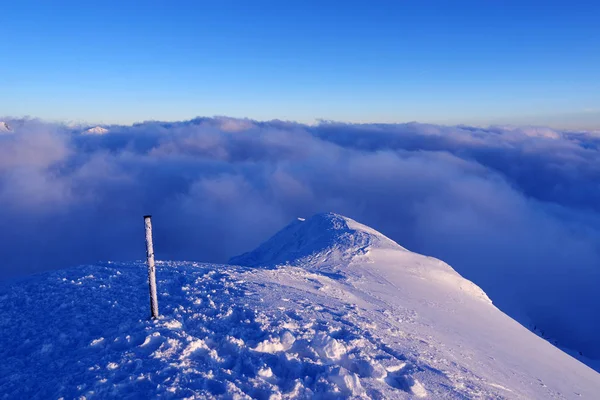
[(399, 378)]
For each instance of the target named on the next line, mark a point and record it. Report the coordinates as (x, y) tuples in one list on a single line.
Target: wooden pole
[(151, 269)]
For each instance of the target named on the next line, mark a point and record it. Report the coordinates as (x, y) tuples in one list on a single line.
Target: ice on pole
[(151, 268)]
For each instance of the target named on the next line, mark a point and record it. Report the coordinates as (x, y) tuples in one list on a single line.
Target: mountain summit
[(332, 244), (335, 235), (342, 312), (97, 130)]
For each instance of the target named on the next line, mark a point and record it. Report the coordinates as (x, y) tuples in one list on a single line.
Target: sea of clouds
[(516, 210)]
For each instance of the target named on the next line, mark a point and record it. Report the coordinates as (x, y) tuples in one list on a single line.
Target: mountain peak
[(328, 234), (98, 130)]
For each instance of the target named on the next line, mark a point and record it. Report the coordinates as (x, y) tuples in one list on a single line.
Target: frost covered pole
[(151, 269)]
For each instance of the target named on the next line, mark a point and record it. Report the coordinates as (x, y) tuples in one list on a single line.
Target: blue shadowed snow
[(85, 332), (352, 315)]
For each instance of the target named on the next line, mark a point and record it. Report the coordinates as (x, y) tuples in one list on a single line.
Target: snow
[(326, 236), (97, 130), (328, 309)]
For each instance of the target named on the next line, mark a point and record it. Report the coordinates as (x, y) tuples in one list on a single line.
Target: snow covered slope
[(340, 311)]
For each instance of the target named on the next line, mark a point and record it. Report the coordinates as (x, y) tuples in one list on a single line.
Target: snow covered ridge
[(334, 244), (330, 233), (368, 322)]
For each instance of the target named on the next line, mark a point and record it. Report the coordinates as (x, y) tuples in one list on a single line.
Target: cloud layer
[(516, 210)]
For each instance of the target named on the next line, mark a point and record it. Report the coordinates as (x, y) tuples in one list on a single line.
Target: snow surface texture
[(340, 312)]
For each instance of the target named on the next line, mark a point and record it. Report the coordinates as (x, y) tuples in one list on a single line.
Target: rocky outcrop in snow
[(4, 127)]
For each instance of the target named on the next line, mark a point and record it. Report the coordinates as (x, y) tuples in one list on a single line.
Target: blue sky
[(474, 62)]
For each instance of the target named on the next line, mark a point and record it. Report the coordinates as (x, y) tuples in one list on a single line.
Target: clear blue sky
[(485, 61)]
